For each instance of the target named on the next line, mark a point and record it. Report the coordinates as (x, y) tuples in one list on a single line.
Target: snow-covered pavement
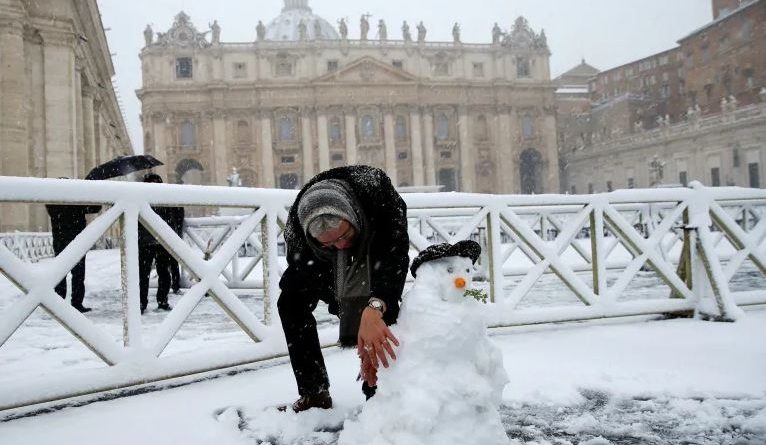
[(645, 382), (628, 382)]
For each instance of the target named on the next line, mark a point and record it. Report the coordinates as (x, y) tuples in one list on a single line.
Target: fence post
[(131, 322), (598, 263), (495, 255)]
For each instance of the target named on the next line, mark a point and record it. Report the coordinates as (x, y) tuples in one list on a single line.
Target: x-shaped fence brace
[(498, 216)]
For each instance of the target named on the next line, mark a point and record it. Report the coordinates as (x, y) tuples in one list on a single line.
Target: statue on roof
[(497, 34), (302, 30), (364, 27), (148, 35), (260, 31), (456, 33), (343, 29), (421, 32), (215, 28), (406, 32), (382, 30), (522, 36)]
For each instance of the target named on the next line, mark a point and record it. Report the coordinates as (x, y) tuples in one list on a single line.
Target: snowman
[(447, 382)]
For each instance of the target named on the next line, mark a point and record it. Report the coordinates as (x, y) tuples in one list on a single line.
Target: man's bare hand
[(374, 339)]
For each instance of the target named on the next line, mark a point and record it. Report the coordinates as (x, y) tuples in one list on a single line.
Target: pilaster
[(351, 150), (324, 144), (308, 144), (416, 146), (467, 167), (267, 151), (390, 146), (428, 126)]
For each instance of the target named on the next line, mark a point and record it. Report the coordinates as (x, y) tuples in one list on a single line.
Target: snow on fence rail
[(695, 240)]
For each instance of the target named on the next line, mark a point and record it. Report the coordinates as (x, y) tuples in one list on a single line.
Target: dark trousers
[(306, 358), (146, 256), (78, 281), (175, 274)]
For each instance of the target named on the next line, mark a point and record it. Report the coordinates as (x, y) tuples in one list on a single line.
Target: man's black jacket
[(309, 275)]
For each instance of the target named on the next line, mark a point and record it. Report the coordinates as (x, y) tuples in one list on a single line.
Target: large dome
[(285, 27)]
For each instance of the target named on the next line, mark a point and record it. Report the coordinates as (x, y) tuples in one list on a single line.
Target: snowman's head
[(448, 277), (446, 269)]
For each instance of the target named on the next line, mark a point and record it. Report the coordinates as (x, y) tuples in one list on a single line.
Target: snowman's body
[(448, 379)]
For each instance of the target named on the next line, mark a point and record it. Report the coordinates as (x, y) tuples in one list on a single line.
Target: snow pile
[(447, 383)]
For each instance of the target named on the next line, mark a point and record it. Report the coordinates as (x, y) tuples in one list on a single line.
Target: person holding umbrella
[(67, 221), (151, 251)]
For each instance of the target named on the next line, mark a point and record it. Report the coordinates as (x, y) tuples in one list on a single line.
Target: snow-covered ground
[(638, 382)]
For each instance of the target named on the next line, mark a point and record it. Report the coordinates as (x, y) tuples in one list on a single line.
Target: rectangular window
[(288, 159), (184, 68), (522, 67), (441, 68), (284, 68), (609, 186), (240, 70), (402, 155), (478, 70), (332, 65), (398, 64), (573, 190), (735, 157), (682, 178), (754, 178), (715, 177), (337, 157), (445, 154)]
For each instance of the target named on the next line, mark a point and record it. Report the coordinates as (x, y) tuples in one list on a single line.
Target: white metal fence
[(28, 246), (694, 240)]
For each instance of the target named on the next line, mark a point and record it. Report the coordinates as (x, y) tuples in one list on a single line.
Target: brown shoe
[(320, 400)]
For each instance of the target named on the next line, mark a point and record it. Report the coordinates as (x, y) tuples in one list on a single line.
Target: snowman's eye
[(450, 270), (468, 271)]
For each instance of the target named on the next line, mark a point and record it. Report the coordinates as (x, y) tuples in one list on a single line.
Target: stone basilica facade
[(303, 97)]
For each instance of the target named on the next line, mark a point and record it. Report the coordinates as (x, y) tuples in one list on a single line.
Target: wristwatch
[(377, 304)]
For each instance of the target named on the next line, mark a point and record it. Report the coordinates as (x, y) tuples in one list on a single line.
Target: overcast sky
[(607, 33)]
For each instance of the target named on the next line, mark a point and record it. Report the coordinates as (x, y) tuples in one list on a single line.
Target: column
[(467, 168), (14, 151), (390, 147), (308, 145), (506, 173), (324, 144), (88, 134), (551, 179), (428, 126), (267, 156), (417, 147), (351, 151), (60, 104), (160, 149), (221, 165), (81, 169)]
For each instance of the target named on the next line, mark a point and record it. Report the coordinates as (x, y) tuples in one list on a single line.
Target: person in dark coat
[(347, 245), (67, 221), (151, 251), (177, 224)]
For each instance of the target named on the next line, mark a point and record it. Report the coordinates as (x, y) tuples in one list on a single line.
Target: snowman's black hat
[(466, 248)]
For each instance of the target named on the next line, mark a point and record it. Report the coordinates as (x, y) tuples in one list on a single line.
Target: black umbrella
[(123, 165)]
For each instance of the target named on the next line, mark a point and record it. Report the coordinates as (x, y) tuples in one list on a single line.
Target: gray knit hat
[(328, 197)]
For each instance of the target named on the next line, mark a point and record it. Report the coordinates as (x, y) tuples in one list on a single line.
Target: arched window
[(189, 171), (286, 129), (442, 127), (188, 137), (368, 127), (336, 132), (400, 128), (527, 126), (243, 132)]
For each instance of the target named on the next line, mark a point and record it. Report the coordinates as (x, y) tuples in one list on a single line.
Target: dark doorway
[(530, 167), (448, 180)]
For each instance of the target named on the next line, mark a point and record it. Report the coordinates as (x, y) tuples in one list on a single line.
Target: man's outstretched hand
[(374, 343)]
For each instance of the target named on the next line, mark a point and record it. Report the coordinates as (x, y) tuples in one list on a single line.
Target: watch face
[(375, 304)]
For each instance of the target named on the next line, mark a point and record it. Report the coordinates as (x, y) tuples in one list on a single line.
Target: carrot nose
[(460, 282)]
